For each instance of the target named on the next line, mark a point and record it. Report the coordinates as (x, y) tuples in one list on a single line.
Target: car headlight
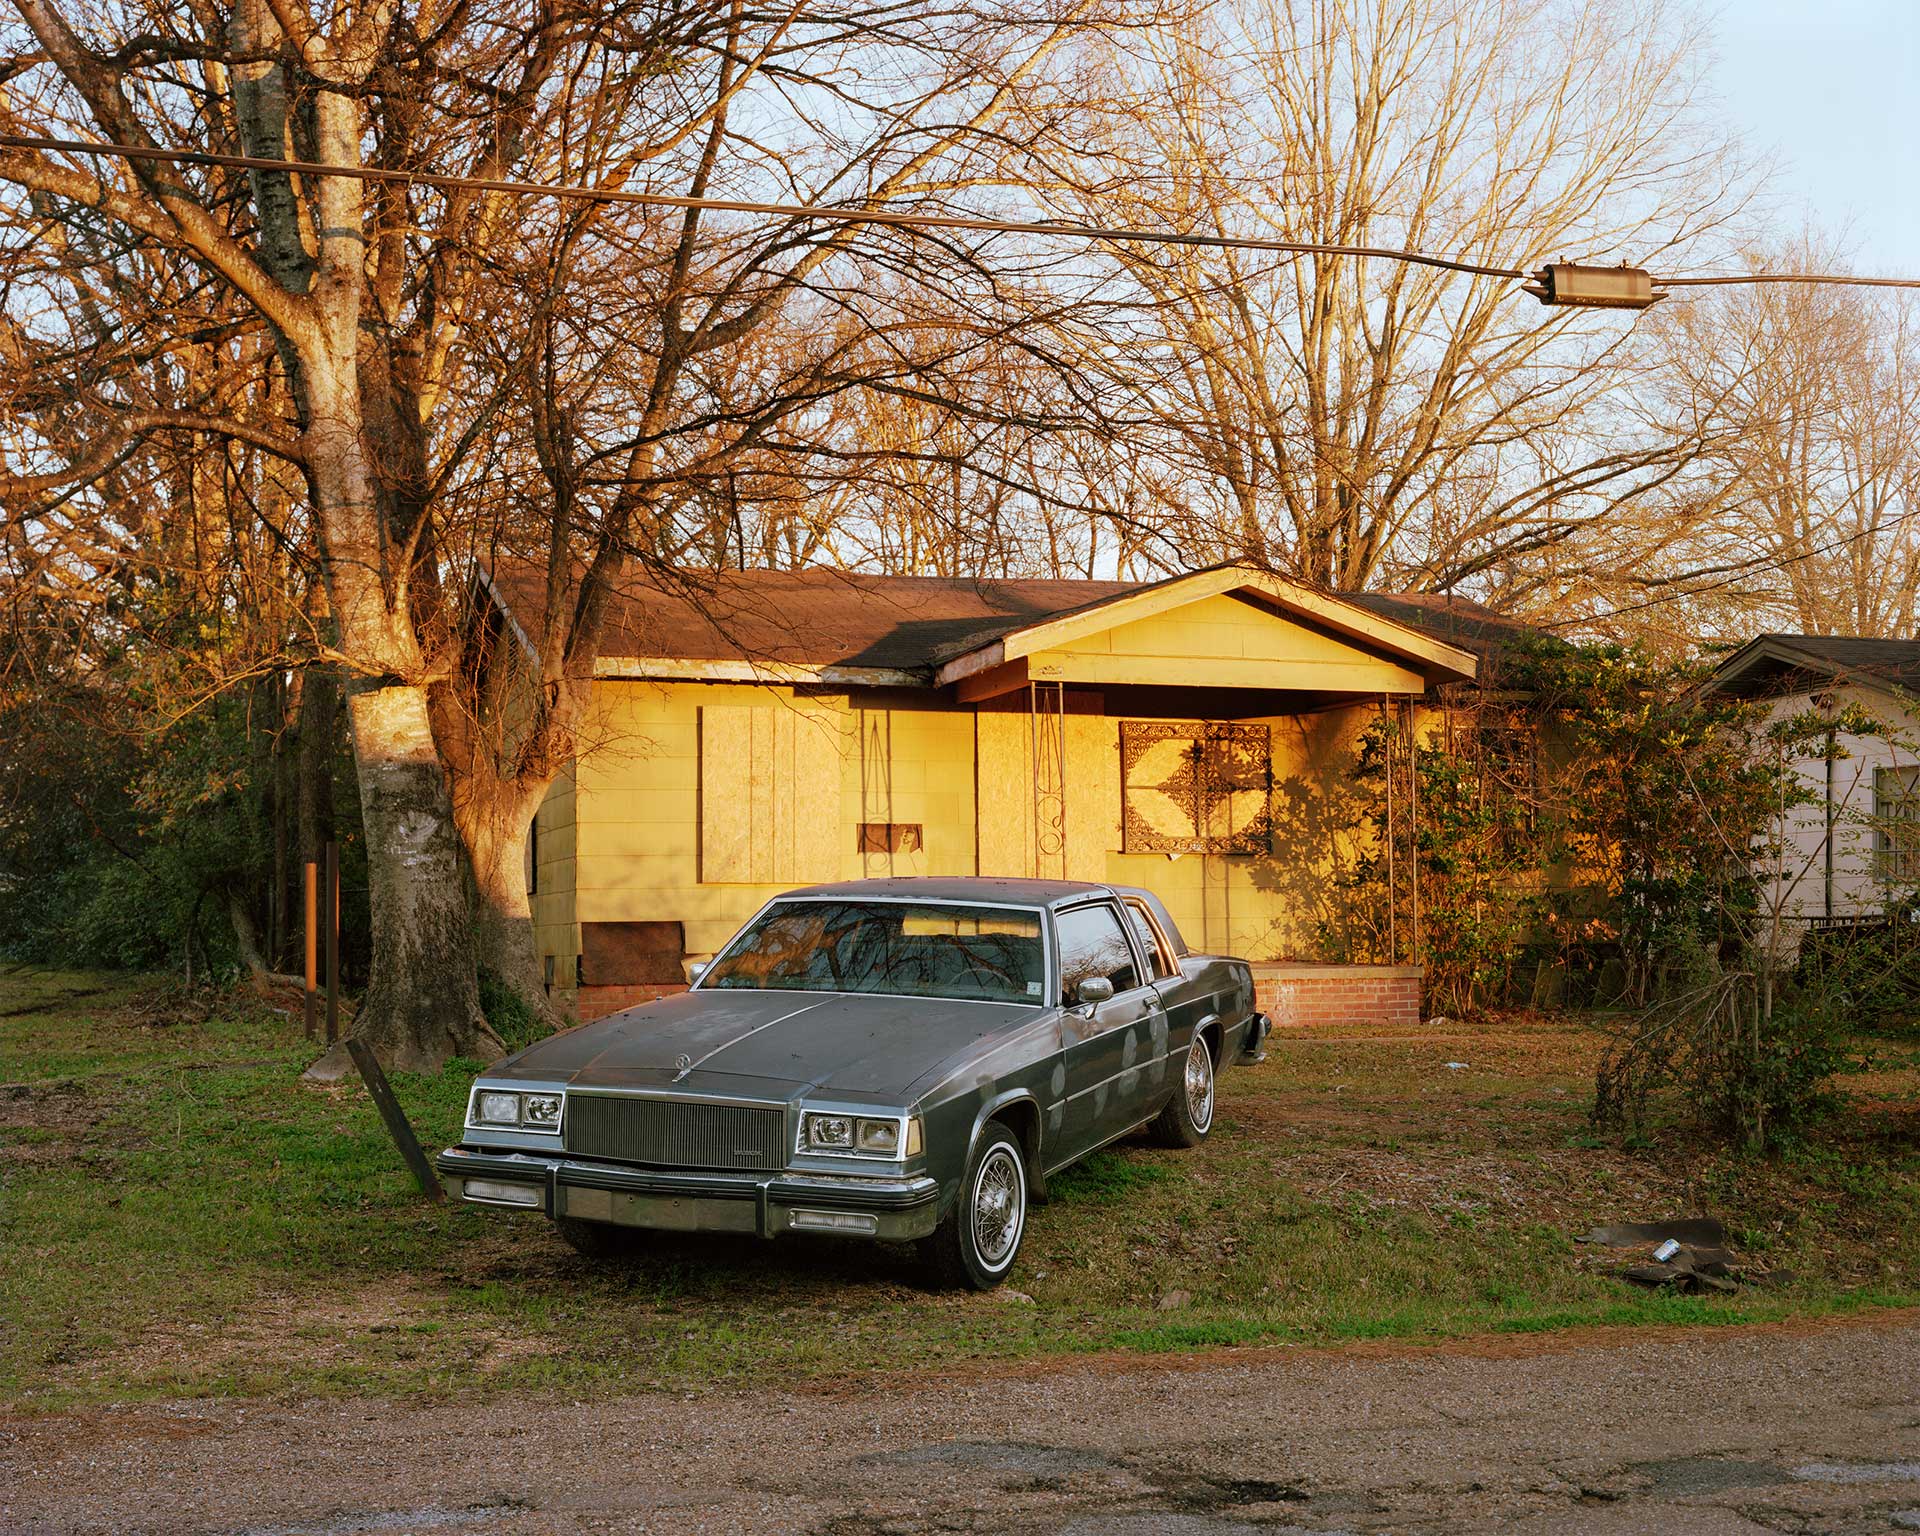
[(866, 1135), (829, 1133), (504, 1108), (492, 1108), (541, 1109)]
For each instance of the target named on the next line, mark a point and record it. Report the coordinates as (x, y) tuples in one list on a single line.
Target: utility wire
[(730, 205), (1743, 572), (1846, 278), (882, 216)]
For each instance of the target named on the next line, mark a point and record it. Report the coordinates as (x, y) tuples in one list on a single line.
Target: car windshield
[(977, 954)]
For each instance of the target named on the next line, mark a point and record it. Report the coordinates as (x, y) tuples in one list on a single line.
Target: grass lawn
[(180, 1215)]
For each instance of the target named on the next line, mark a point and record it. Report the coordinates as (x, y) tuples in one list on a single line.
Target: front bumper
[(674, 1200)]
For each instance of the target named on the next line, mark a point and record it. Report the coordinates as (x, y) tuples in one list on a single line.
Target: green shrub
[(509, 1015)]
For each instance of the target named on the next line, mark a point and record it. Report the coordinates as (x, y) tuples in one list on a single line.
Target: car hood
[(769, 1044)]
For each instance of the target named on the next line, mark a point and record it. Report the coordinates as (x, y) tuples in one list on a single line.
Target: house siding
[(1798, 887), (696, 802)]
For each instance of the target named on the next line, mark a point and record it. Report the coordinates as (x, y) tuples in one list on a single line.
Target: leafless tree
[(369, 297), (1800, 512), (1366, 421)]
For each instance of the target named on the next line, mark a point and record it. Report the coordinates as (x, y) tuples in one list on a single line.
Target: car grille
[(675, 1133)]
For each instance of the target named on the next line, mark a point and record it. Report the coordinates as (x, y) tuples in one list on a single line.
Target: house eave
[(677, 669)]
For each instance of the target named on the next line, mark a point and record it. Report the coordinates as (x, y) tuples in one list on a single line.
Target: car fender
[(1035, 1158), (1205, 1022)]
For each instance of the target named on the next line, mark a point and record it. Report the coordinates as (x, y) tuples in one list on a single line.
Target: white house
[(1855, 848)]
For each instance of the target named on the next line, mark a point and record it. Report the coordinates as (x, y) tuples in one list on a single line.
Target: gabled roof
[(1339, 615), (1769, 665), (852, 627)]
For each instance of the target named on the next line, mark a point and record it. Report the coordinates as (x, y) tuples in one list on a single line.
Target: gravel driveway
[(1798, 1428)]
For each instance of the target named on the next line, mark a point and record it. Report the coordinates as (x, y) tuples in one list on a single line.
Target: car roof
[(1025, 893)]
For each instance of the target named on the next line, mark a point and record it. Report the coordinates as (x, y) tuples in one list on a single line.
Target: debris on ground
[(1688, 1254)]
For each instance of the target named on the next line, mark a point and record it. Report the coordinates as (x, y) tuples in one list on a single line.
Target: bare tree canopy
[(1358, 421), (381, 339)]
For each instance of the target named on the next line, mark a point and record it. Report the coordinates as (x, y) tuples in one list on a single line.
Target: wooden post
[(313, 945), (396, 1118), (333, 942)]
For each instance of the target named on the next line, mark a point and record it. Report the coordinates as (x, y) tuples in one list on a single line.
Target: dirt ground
[(1797, 1427)]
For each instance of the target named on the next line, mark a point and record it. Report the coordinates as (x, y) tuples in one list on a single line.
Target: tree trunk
[(246, 935), (422, 1006), (493, 829)]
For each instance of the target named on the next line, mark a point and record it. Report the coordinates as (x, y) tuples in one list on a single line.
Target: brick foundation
[(1312, 996), (590, 1003)]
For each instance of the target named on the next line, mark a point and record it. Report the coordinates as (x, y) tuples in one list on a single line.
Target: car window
[(1149, 941), (1092, 943), (905, 949)]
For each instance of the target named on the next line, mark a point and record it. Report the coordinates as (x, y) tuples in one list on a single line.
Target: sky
[(1832, 88)]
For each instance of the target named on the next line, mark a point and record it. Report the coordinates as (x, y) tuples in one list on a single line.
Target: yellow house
[(757, 730)]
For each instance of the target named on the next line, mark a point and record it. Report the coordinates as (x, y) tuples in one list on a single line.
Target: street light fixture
[(1572, 286)]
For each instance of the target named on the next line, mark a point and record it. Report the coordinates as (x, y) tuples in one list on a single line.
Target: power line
[(882, 216), (732, 205), (1744, 572), (1846, 278)]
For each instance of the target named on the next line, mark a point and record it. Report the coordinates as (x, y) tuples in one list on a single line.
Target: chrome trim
[(1161, 942), (1100, 1146), (803, 1148), (668, 1096), (780, 1187), (519, 1090), (1116, 901)]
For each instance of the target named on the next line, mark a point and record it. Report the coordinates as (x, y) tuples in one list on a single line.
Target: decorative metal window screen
[(1199, 788)]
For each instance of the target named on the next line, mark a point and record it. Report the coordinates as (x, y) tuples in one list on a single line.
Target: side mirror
[(1095, 989), (695, 970)]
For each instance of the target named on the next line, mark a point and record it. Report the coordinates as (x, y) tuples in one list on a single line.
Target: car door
[(1105, 1045)]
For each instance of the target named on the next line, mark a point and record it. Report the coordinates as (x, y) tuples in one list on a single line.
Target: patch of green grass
[(1106, 1177), (184, 1216)]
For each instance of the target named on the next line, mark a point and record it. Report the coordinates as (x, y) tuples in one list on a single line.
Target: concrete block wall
[(1316, 996)]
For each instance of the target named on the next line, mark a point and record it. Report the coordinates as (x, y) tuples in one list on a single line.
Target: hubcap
[(1200, 1085), (999, 1198)]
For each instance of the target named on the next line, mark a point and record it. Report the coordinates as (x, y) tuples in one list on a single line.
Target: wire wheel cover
[(999, 1207), (1199, 1084)]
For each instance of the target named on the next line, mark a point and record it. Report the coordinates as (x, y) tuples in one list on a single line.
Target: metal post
[(1413, 825), (397, 1126), (333, 942), (1393, 888), (1827, 846), (313, 946)]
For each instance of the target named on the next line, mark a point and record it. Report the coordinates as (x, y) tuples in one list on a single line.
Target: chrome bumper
[(673, 1200)]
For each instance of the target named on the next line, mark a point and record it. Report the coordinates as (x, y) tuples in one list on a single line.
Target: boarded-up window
[(1195, 788), (625, 954), (769, 794)]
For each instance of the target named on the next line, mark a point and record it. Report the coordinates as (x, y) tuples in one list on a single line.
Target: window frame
[(1894, 862), (1164, 962), (1049, 944), (1060, 948)]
